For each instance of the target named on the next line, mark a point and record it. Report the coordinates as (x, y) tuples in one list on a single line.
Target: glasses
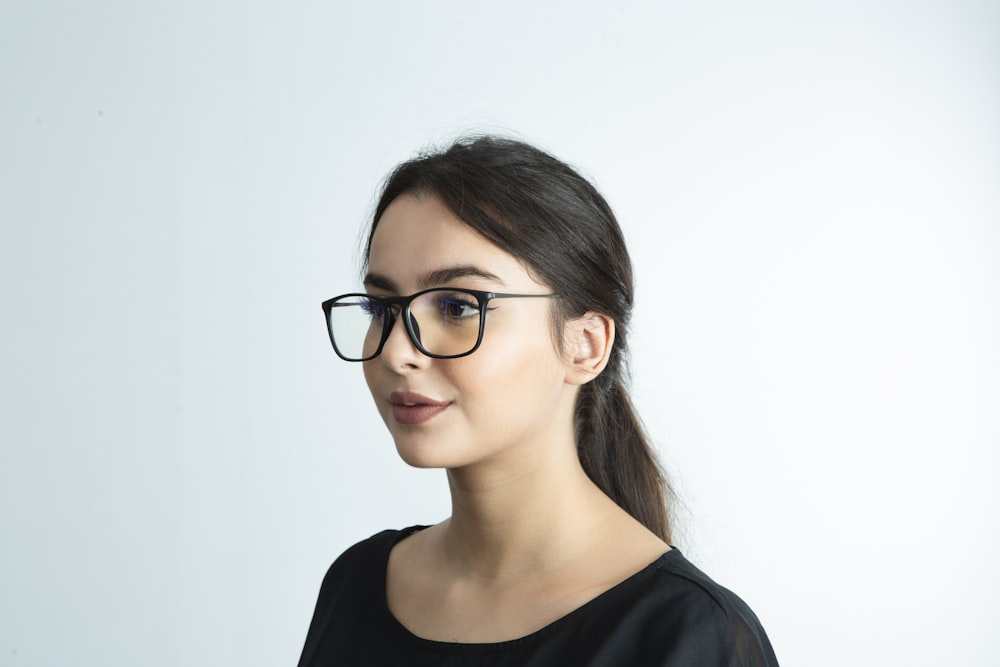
[(443, 322)]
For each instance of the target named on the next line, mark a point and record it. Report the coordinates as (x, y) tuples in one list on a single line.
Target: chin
[(420, 455), (426, 453)]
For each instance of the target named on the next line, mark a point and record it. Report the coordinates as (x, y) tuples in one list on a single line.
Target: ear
[(589, 340)]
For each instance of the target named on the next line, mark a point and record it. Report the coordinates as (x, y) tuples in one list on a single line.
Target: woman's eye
[(453, 307)]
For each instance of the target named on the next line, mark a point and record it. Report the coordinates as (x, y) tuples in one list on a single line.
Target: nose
[(399, 352)]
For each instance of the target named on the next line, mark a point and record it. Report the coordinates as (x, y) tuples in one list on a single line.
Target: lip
[(412, 408)]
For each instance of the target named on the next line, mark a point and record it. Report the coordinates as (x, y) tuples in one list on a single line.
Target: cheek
[(514, 369)]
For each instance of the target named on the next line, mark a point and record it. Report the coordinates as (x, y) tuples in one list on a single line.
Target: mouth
[(411, 408)]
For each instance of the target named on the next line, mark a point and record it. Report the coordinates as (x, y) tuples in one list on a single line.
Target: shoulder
[(368, 554), (704, 616), (367, 547), (350, 607), (360, 567)]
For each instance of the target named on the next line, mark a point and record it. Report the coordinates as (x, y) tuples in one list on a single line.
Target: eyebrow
[(435, 278)]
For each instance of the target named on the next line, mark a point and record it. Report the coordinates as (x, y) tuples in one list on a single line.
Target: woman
[(492, 332)]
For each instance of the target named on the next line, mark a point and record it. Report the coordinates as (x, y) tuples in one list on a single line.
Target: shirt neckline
[(507, 644)]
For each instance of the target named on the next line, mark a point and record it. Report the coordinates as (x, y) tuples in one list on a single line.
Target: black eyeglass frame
[(403, 302)]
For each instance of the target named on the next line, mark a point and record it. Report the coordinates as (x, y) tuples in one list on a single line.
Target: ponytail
[(616, 454)]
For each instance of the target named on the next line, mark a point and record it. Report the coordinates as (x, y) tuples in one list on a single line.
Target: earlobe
[(591, 339)]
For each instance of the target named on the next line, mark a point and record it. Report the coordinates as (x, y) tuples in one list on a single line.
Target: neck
[(508, 521)]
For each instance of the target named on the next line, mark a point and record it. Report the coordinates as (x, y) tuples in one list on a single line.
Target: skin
[(530, 537)]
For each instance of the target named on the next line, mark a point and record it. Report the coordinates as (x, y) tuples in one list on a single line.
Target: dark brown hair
[(543, 212)]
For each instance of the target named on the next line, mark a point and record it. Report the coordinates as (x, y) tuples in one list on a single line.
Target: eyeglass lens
[(442, 322)]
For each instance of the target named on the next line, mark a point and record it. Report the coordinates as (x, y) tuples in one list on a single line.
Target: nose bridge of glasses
[(398, 308)]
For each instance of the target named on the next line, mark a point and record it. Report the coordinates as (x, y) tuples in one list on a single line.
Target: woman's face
[(506, 399)]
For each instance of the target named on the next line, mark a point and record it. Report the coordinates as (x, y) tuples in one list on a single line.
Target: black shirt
[(668, 614)]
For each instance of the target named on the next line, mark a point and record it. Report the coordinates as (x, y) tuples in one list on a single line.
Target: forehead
[(419, 235)]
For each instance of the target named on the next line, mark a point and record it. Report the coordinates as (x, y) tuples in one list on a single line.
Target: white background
[(810, 191)]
